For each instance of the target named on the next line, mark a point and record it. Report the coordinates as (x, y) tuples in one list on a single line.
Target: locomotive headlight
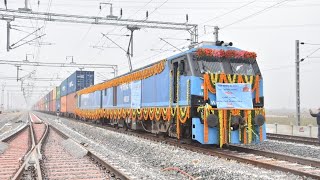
[(212, 120), (259, 120)]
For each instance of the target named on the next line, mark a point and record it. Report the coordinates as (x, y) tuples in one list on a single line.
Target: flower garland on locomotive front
[(226, 120)]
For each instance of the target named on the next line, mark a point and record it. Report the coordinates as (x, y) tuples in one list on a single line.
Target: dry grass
[(287, 120)]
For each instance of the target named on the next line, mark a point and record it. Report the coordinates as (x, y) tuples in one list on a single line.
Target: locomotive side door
[(178, 65)]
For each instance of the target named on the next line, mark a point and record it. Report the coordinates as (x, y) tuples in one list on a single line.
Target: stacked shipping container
[(54, 94), (68, 88), (64, 97), (58, 99)]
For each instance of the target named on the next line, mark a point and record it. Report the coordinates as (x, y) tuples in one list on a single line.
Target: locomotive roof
[(203, 46), (178, 55)]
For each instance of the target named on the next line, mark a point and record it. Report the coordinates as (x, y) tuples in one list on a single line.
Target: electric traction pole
[(297, 82), (8, 35), (7, 100), (2, 96)]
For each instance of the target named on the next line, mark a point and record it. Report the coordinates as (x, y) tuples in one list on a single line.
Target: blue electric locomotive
[(211, 94)]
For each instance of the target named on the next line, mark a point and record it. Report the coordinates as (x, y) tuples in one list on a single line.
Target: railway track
[(271, 160), (37, 134), (295, 139), (55, 156), (265, 159), (59, 164), (12, 157)]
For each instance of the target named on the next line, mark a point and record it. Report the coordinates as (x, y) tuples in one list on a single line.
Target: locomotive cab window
[(242, 68), (210, 65)]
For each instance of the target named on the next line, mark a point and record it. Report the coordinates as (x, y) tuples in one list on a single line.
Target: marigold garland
[(261, 111), (249, 127), (245, 139), (229, 126), (182, 114), (225, 123), (139, 75), (177, 105), (158, 113), (225, 126), (230, 54), (134, 115), (205, 124), (221, 129), (233, 79), (151, 113)]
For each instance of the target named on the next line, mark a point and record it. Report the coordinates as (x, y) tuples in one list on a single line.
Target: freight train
[(211, 93)]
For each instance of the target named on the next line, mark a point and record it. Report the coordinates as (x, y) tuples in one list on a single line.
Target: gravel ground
[(8, 118), (75, 149), (3, 147), (295, 149), (144, 159), (12, 125)]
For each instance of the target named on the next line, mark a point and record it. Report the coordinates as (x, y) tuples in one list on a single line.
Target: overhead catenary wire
[(263, 27), (249, 16), (224, 14), (116, 27), (229, 12), (254, 14), (310, 54), (250, 1), (177, 5), (143, 20), (38, 50)]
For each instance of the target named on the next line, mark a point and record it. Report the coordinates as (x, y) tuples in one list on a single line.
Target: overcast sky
[(268, 27)]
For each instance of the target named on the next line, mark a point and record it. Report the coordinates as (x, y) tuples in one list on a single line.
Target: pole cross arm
[(12, 14), (48, 64), (32, 79)]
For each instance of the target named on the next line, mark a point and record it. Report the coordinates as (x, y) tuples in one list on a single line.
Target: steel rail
[(243, 157), (229, 153), (295, 139), (284, 157), (32, 153), (118, 174), (12, 136), (238, 156), (30, 144)]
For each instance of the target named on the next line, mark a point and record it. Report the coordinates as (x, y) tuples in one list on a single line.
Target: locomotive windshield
[(227, 66), (242, 68), (211, 66)]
